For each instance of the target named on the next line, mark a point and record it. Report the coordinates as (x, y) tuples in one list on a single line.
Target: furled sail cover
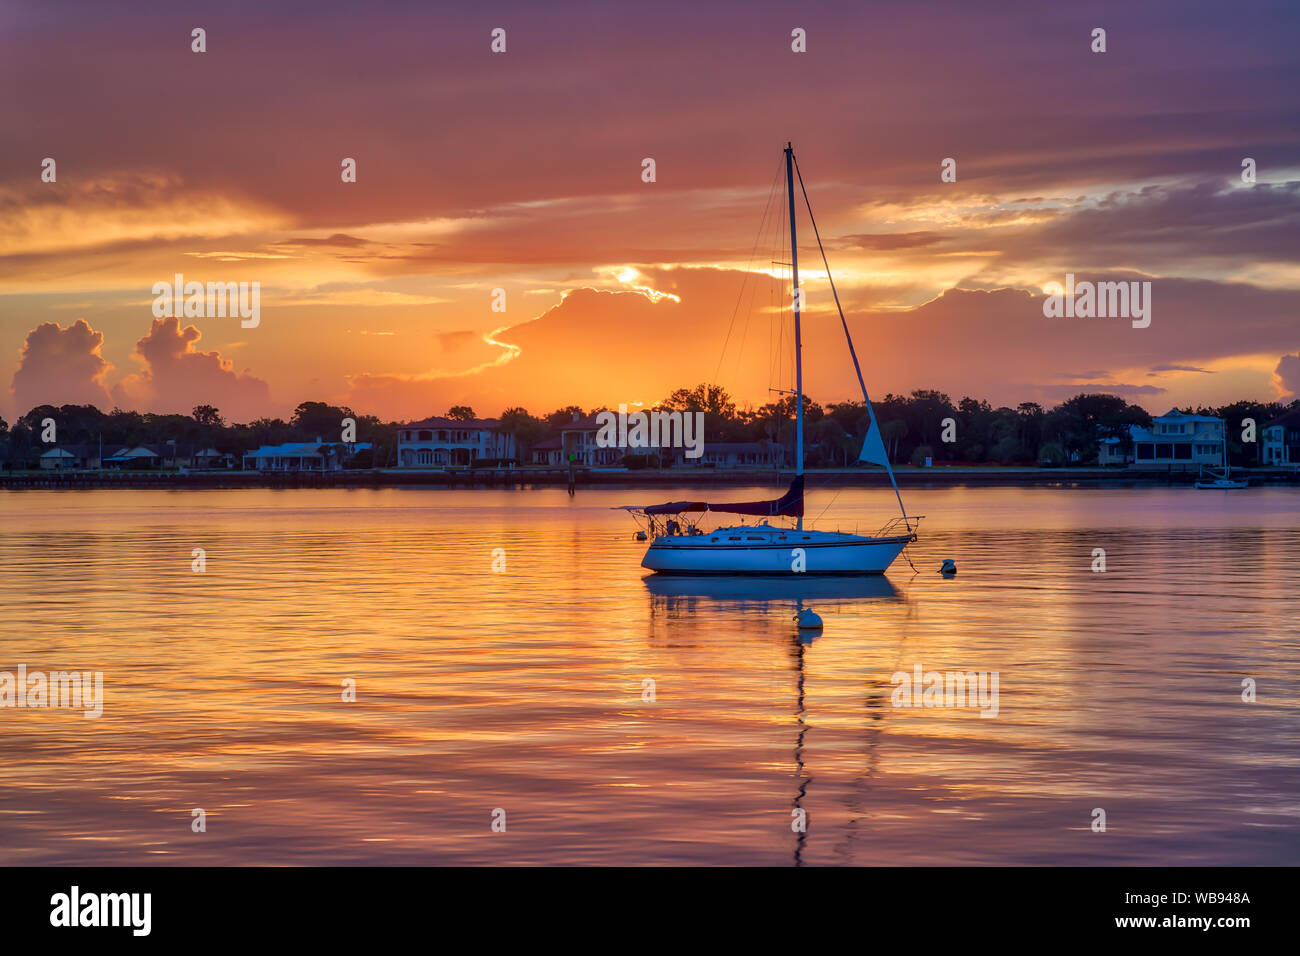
[(676, 507), (789, 504), (873, 449)]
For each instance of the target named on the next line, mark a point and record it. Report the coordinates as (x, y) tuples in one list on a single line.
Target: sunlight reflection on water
[(523, 690)]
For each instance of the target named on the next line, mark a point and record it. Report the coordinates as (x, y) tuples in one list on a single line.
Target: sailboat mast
[(883, 458), (798, 306)]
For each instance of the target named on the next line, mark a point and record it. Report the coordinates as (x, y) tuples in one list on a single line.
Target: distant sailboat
[(680, 547), (1224, 481)]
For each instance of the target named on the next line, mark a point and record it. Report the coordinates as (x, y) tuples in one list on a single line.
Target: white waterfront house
[(1281, 439), (578, 444), (436, 442), (1180, 441), (302, 456)]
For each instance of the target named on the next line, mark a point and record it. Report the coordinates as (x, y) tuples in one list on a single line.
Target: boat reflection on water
[(686, 602), (679, 598), (739, 589)]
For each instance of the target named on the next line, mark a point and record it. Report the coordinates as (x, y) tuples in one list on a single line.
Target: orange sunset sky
[(522, 171)]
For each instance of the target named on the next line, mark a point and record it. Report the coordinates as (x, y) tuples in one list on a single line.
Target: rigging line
[(775, 329), (753, 252), (828, 505), (785, 373), (776, 326), (754, 287), (852, 352)]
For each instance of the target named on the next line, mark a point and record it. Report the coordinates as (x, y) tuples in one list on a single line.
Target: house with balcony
[(578, 444), (1180, 442), (1281, 439), (439, 442)]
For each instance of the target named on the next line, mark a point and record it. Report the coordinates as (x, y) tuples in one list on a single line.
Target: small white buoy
[(808, 620), (949, 566)]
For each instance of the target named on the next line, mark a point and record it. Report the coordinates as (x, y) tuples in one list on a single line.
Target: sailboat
[(1224, 481), (679, 546)]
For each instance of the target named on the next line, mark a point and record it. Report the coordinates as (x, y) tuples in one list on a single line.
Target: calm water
[(522, 690)]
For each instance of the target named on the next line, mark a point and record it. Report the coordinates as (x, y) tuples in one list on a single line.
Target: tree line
[(924, 423)]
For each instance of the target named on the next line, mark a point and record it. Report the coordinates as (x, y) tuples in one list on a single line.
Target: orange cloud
[(120, 208), (1287, 375), (61, 366), (177, 377), (601, 348)]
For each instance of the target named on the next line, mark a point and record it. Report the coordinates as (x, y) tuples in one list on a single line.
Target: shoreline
[(525, 478)]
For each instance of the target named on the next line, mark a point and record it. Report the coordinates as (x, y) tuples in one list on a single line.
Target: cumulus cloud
[(61, 367), (177, 376), (1287, 375)]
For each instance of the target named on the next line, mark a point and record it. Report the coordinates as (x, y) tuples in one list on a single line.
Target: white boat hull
[(772, 551)]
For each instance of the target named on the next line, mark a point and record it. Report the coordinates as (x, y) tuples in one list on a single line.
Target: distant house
[(1281, 439), (1111, 451), (71, 456), (1177, 440), (578, 443), (211, 458), (175, 455), (549, 452), (168, 454), (739, 454), (302, 456), (134, 457), (436, 442)]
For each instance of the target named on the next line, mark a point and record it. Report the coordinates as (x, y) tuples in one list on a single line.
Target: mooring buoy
[(808, 620)]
